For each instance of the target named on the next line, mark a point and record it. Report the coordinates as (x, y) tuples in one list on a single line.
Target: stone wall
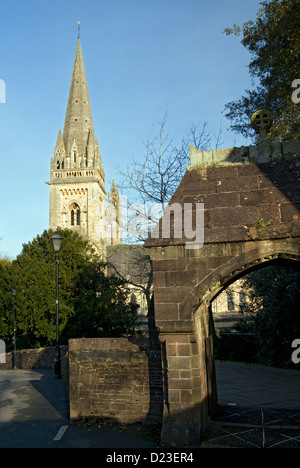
[(264, 152), (115, 379), (242, 202), (40, 358)]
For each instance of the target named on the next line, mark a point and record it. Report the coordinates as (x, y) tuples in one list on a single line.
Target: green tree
[(102, 307), (33, 273), (6, 307), (274, 306), (90, 304), (274, 44)]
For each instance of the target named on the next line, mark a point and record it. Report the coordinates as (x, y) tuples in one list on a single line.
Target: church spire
[(78, 121), (77, 179)]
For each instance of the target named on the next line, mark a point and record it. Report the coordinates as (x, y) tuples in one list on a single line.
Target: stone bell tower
[(77, 179)]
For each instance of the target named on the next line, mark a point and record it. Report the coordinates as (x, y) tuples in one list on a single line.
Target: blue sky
[(141, 58)]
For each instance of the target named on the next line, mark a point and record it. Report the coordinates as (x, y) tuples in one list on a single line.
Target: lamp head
[(57, 242)]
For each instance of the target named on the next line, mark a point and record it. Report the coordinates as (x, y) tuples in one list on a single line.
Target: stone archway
[(190, 380), (251, 216), (237, 267)]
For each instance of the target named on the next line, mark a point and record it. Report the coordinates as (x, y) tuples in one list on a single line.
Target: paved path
[(31, 409), (259, 407), (34, 412), (257, 385)]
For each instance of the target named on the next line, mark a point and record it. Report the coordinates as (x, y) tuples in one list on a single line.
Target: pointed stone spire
[(114, 195), (78, 121), (98, 160), (60, 151), (114, 201)]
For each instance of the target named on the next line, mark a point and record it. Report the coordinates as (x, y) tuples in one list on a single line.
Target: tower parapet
[(264, 151)]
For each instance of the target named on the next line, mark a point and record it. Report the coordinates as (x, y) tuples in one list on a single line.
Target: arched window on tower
[(75, 215)]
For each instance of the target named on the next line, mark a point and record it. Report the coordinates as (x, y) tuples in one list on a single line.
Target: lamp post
[(56, 243), (14, 293)]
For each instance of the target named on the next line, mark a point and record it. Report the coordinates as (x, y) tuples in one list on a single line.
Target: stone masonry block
[(179, 363), (290, 212), (183, 349), (180, 384), (235, 185), (171, 294), (218, 200), (246, 215), (186, 396)]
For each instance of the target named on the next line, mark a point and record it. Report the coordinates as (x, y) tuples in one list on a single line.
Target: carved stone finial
[(262, 121)]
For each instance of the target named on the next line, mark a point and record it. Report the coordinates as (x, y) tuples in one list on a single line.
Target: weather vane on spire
[(78, 23)]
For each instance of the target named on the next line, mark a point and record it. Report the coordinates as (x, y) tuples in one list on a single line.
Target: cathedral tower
[(77, 179)]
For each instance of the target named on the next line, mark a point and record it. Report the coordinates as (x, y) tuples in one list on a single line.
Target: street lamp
[(56, 243), (14, 293)]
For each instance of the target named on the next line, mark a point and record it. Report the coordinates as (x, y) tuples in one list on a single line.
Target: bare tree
[(133, 265), (153, 180)]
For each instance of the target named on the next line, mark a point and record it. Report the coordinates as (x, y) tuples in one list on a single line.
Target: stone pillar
[(190, 394), (205, 383), (180, 417)]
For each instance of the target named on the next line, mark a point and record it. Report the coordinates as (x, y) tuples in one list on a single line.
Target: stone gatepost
[(181, 416), (188, 378), (185, 334)]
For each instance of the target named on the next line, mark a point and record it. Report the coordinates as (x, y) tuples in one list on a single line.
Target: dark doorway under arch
[(262, 319)]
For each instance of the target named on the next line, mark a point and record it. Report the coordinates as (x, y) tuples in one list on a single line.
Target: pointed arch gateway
[(186, 328), (251, 219)]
